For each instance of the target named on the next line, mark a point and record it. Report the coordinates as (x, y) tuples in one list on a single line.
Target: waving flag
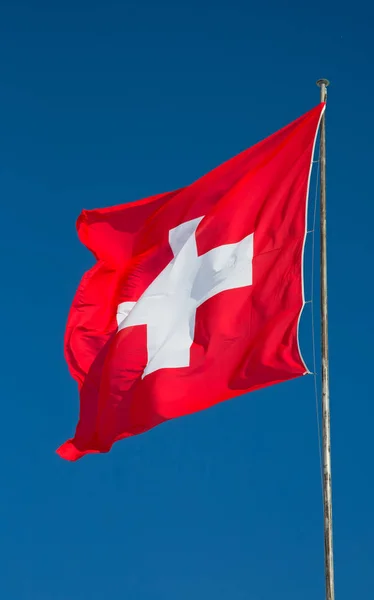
[(196, 294)]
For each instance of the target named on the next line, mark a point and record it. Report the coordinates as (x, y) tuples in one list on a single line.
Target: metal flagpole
[(326, 441)]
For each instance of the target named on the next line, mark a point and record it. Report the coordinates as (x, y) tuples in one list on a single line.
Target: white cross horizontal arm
[(168, 306)]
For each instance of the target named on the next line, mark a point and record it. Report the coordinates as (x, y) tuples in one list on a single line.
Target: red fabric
[(245, 338)]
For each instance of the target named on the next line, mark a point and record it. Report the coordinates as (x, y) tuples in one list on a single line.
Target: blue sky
[(107, 102)]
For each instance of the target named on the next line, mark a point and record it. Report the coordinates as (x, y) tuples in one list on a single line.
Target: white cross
[(168, 306)]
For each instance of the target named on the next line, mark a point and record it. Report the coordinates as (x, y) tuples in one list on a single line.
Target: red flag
[(196, 294)]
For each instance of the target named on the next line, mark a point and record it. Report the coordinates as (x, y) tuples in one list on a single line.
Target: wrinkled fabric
[(243, 339)]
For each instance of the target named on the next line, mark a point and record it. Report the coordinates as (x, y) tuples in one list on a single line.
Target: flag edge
[(307, 371)]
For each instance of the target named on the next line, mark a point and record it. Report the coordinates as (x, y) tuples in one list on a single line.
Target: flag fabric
[(196, 294)]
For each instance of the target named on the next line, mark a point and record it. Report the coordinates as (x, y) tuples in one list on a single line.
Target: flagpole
[(326, 441)]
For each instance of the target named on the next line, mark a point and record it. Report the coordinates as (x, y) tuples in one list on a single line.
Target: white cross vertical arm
[(168, 306)]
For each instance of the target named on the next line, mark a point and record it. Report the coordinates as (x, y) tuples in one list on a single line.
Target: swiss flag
[(196, 294)]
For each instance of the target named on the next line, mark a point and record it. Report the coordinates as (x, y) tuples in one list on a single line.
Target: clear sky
[(107, 102)]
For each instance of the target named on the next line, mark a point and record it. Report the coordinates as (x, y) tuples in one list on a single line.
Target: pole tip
[(322, 82)]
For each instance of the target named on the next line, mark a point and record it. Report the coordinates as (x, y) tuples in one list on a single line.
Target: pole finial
[(322, 84)]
